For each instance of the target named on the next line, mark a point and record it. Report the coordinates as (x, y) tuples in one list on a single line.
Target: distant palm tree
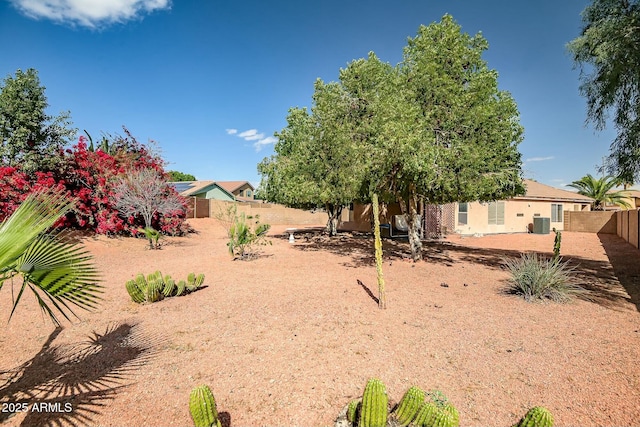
[(599, 189), (57, 272)]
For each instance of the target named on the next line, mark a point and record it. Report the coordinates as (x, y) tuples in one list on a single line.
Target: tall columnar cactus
[(556, 245), (536, 417), (409, 406), (374, 405), (202, 406)]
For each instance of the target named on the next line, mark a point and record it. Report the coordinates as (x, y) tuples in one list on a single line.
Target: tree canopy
[(434, 128), (178, 176), (29, 136), (608, 55)]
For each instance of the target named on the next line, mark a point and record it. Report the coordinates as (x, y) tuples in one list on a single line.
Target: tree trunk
[(334, 213), (382, 298), (414, 228)]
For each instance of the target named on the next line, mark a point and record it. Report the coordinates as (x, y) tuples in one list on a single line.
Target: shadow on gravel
[(69, 384), (602, 279)]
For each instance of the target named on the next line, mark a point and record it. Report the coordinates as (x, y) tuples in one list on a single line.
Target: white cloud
[(89, 13), (265, 141), (539, 159), (254, 135), (251, 135)]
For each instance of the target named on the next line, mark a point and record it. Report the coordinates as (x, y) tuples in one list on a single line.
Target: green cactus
[(442, 418), (154, 288), (536, 417), (556, 245), (199, 280), (409, 406), (352, 411), (134, 291), (374, 405), (426, 414), (202, 406), (191, 282), (448, 407), (141, 282), (169, 286), (180, 287)]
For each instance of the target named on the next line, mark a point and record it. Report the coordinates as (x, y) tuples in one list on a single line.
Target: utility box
[(541, 225)]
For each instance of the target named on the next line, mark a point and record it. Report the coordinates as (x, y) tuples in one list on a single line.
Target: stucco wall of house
[(518, 216), (216, 194)]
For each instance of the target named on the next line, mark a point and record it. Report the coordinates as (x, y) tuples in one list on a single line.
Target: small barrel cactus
[(536, 417), (409, 406), (352, 411), (169, 286), (199, 280), (426, 414), (442, 418), (181, 286), (134, 291), (448, 407), (191, 282), (374, 405), (202, 406)]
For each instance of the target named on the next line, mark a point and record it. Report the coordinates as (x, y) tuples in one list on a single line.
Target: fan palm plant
[(600, 190), (58, 273)]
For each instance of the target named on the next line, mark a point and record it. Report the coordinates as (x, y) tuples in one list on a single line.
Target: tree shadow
[(368, 291), (625, 264), (69, 384), (605, 281)]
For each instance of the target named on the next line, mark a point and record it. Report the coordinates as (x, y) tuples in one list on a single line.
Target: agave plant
[(58, 273)]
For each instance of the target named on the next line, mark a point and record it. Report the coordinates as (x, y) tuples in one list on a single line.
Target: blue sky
[(211, 81)]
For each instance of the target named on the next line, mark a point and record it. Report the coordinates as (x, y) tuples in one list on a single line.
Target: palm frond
[(60, 272)]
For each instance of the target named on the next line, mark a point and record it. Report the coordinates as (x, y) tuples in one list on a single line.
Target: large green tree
[(601, 190), (438, 128), (29, 137), (434, 128), (316, 164), (608, 54)]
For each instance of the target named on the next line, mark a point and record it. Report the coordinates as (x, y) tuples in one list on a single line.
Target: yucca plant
[(58, 273), (243, 236), (536, 277)]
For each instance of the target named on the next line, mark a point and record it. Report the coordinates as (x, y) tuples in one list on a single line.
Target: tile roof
[(538, 191), (232, 186)]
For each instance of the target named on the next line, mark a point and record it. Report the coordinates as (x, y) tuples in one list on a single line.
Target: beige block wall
[(271, 213), (518, 217), (591, 222)]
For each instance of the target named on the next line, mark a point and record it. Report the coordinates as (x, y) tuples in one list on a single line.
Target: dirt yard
[(290, 337)]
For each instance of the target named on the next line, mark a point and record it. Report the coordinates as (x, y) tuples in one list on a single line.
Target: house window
[(556, 212), (496, 213), (463, 209), (248, 193)]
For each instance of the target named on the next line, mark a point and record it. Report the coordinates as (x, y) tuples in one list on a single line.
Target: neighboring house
[(633, 199), (203, 190), (514, 215), (217, 190), (517, 214), (242, 190)]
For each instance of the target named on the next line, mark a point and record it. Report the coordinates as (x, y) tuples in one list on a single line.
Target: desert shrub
[(536, 278), (245, 234), (87, 176)]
